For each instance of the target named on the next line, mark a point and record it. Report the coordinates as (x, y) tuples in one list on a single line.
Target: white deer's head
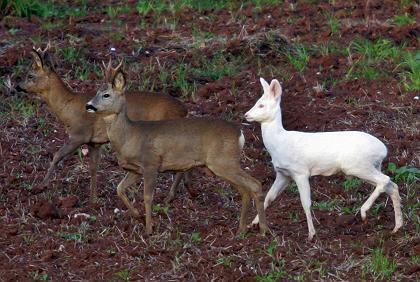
[(267, 107)]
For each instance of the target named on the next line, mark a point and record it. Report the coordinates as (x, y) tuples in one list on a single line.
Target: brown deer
[(149, 147), (85, 128)]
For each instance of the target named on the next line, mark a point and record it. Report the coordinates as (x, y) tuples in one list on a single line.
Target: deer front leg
[(63, 152), (94, 155), (129, 179), (150, 176)]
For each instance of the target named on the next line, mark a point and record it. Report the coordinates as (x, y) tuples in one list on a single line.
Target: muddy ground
[(211, 59)]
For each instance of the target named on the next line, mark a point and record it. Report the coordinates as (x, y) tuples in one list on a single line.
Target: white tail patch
[(241, 140)]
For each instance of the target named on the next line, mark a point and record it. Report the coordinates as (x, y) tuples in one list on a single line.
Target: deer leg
[(276, 189), (94, 155), (172, 191), (63, 152), (305, 198), (188, 184), (129, 179), (238, 178), (150, 176)]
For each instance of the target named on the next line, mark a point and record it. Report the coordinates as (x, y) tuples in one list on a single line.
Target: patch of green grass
[(225, 261), (410, 66), (161, 209), (324, 206), (374, 55), (352, 210), (123, 274), (78, 237), (70, 53), (27, 8), (403, 19), (415, 259), (114, 11), (81, 72), (294, 216), (22, 107), (380, 266), (333, 23), (292, 188), (39, 276), (13, 30), (351, 183), (298, 58), (404, 174), (217, 67), (195, 237), (276, 273), (51, 25), (181, 81)]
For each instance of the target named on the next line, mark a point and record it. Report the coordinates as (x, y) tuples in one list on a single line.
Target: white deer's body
[(299, 155)]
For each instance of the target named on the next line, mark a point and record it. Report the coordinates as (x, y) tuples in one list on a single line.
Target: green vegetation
[(123, 274), (377, 57), (351, 183), (324, 206), (403, 19), (404, 174), (298, 58), (380, 266), (195, 237)]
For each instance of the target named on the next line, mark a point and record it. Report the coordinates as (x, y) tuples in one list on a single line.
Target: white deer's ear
[(265, 85), (275, 88), (119, 81)]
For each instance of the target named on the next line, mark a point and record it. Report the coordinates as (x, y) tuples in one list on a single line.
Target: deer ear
[(37, 60), (48, 61), (119, 81), (265, 85), (275, 88)]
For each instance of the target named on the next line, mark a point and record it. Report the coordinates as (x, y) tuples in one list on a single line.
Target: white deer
[(299, 155)]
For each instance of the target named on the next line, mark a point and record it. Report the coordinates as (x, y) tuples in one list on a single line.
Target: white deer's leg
[(379, 179), (392, 191), (305, 198), (278, 186)]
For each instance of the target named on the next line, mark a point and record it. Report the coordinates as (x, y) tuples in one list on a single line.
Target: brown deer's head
[(39, 73)]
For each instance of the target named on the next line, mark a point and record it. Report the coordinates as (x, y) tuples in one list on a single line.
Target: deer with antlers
[(86, 128)]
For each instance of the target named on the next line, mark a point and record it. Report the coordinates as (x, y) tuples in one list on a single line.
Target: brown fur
[(149, 147), (86, 128)]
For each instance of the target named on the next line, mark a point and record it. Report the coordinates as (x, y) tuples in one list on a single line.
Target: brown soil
[(56, 232)]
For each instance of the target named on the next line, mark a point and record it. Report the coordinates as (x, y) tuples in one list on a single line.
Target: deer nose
[(90, 108), (19, 88)]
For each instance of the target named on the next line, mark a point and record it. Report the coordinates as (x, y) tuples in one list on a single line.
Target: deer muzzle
[(90, 108)]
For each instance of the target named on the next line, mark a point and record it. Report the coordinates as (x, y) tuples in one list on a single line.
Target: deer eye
[(260, 106), (31, 76), (106, 95)]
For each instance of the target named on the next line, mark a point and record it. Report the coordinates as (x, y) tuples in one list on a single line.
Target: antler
[(39, 50)]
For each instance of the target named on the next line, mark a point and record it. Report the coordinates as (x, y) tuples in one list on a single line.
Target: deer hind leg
[(172, 191), (63, 152), (188, 184), (175, 184), (129, 179), (276, 189), (150, 177), (247, 186), (94, 155), (383, 184)]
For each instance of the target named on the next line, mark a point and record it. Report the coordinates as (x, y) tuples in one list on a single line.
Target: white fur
[(299, 155)]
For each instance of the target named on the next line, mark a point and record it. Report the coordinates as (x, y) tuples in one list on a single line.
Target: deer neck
[(59, 98), (118, 127), (273, 126)]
